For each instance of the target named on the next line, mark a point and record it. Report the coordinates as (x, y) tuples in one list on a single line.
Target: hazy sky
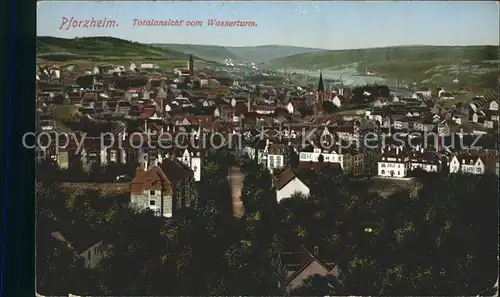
[(329, 25)]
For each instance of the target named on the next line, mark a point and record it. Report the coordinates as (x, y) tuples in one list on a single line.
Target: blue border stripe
[(7, 143)]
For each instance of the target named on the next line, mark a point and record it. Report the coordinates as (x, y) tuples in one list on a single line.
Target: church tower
[(191, 65), (321, 90)]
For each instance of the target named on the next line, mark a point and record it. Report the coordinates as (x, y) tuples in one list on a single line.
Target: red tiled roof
[(152, 179)]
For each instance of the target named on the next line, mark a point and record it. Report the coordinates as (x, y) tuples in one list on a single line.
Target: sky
[(326, 25)]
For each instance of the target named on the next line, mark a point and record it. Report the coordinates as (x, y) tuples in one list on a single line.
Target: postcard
[(216, 148)]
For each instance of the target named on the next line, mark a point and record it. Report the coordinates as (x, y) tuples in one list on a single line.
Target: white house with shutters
[(394, 163)]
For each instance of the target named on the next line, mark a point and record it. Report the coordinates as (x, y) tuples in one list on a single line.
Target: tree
[(258, 192), (432, 238), (59, 269), (65, 113), (318, 285), (294, 158), (47, 171), (215, 190)]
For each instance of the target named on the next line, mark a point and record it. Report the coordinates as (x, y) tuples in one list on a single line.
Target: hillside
[(265, 53), (207, 52), (244, 53), (426, 64), (105, 49)]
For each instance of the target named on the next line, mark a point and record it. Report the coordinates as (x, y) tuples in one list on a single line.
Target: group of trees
[(436, 238), (49, 171)]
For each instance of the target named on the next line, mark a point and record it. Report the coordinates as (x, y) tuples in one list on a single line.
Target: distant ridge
[(369, 56), (260, 53)]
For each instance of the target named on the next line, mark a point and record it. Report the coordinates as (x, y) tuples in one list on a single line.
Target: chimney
[(316, 250)]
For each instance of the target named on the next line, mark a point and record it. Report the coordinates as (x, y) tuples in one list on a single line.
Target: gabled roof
[(78, 236), (468, 159), (175, 170), (298, 261), (152, 179), (284, 178)]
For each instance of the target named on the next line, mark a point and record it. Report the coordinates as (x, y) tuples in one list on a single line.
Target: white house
[(493, 105), (290, 108), (147, 65), (316, 154), (393, 163), (90, 249), (287, 184), (336, 101), (467, 163), (277, 155), (446, 95), (192, 160)]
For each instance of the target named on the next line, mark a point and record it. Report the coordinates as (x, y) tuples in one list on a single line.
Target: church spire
[(191, 65), (321, 86)]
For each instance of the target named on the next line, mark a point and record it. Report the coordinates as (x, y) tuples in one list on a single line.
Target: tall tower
[(191, 65), (321, 90)]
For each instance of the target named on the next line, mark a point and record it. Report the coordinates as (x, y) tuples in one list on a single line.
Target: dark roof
[(284, 177), (175, 170), (424, 157), (79, 235), (298, 261)]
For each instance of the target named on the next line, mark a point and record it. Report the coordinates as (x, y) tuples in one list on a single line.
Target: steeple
[(321, 86), (321, 91), (191, 65)]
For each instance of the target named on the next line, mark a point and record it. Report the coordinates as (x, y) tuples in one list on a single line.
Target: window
[(478, 170), (112, 156), (383, 171), (152, 192), (152, 202), (382, 165), (89, 254)]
